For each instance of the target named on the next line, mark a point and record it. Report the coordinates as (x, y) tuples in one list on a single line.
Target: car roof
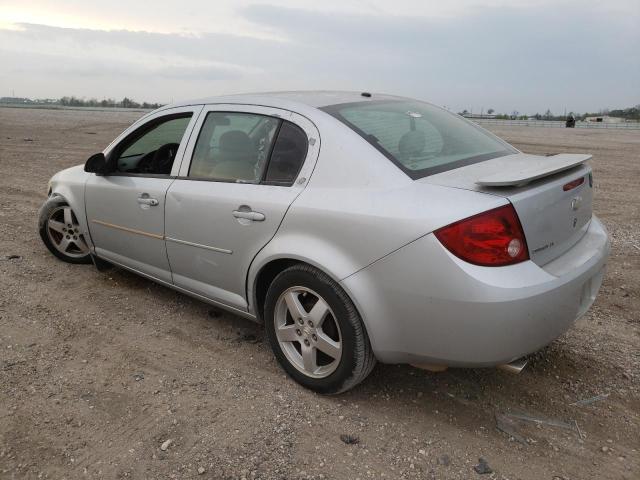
[(291, 99)]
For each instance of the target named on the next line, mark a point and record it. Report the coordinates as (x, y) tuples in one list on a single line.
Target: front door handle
[(144, 199), (250, 215)]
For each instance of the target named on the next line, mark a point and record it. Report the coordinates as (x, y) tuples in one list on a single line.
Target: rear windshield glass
[(419, 138)]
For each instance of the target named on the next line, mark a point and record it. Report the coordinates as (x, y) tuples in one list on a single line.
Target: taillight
[(571, 185), (492, 239)]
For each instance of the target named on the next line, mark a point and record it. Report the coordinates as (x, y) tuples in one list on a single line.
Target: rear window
[(419, 138)]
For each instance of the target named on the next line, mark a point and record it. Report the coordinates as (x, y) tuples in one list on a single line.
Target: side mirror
[(96, 163)]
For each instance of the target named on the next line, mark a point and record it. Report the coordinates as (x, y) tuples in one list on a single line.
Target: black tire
[(357, 359), (51, 205)]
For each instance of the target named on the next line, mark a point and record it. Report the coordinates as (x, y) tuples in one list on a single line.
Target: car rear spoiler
[(520, 170)]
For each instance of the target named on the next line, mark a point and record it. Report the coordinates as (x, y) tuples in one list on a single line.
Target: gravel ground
[(107, 375)]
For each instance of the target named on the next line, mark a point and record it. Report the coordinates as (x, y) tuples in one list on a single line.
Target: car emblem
[(576, 202)]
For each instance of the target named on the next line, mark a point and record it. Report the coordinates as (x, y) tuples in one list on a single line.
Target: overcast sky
[(476, 54)]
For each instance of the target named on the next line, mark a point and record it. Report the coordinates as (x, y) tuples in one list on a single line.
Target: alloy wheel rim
[(308, 332), (65, 234)]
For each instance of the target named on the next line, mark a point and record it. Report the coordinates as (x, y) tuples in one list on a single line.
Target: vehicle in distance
[(356, 227)]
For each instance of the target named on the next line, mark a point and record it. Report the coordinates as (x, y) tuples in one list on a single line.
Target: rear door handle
[(144, 199), (250, 215)]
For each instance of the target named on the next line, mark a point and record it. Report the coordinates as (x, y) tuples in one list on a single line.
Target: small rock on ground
[(482, 467), (349, 439)]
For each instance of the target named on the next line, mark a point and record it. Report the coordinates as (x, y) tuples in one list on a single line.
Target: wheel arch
[(69, 185), (260, 277), (294, 246), (75, 199), (51, 195), (54, 204)]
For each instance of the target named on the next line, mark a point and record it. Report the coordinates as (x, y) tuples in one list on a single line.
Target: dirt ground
[(98, 370)]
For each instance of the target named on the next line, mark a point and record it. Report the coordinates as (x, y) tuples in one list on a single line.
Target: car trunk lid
[(552, 196)]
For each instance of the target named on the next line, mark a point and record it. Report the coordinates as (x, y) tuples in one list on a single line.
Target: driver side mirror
[(96, 163)]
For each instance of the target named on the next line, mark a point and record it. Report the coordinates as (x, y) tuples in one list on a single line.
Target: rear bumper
[(421, 304)]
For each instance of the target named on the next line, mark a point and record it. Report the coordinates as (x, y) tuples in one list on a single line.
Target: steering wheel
[(158, 161), (145, 164), (163, 158)]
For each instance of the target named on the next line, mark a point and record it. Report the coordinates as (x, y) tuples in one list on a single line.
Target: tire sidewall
[(344, 315), (43, 218)]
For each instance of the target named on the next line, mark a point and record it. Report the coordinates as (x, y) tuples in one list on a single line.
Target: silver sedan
[(356, 227)]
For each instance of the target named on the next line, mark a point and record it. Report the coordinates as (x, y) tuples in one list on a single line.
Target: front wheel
[(315, 331), (61, 233)]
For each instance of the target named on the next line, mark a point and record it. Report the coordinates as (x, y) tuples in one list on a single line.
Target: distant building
[(15, 100)]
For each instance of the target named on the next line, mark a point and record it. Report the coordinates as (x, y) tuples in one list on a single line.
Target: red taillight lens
[(493, 238), (571, 185)]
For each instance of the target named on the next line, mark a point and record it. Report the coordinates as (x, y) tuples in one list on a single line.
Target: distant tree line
[(631, 113), (106, 103)]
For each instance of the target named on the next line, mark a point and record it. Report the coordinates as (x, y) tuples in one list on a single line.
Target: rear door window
[(248, 148), (233, 147)]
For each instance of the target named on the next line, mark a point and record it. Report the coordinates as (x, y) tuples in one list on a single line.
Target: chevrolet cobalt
[(356, 227)]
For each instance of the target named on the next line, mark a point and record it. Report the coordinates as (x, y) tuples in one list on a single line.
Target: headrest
[(236, 142)]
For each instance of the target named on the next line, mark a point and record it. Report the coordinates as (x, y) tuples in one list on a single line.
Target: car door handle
[(147, 201), (250, 215)]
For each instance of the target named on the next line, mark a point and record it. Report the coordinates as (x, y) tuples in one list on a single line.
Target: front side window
[(419, 138), (152, 148), (234, 147)]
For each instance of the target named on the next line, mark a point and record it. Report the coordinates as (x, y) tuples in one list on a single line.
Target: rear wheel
[(61, 233), (315, 331)]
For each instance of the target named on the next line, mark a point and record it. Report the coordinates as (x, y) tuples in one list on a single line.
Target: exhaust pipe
[(514, 367)]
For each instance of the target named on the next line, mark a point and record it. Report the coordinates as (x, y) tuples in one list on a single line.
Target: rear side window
[(419, 138), (287, 156)]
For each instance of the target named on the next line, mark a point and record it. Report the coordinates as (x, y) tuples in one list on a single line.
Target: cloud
[(527, 58), (553, 55), (124, 51)]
